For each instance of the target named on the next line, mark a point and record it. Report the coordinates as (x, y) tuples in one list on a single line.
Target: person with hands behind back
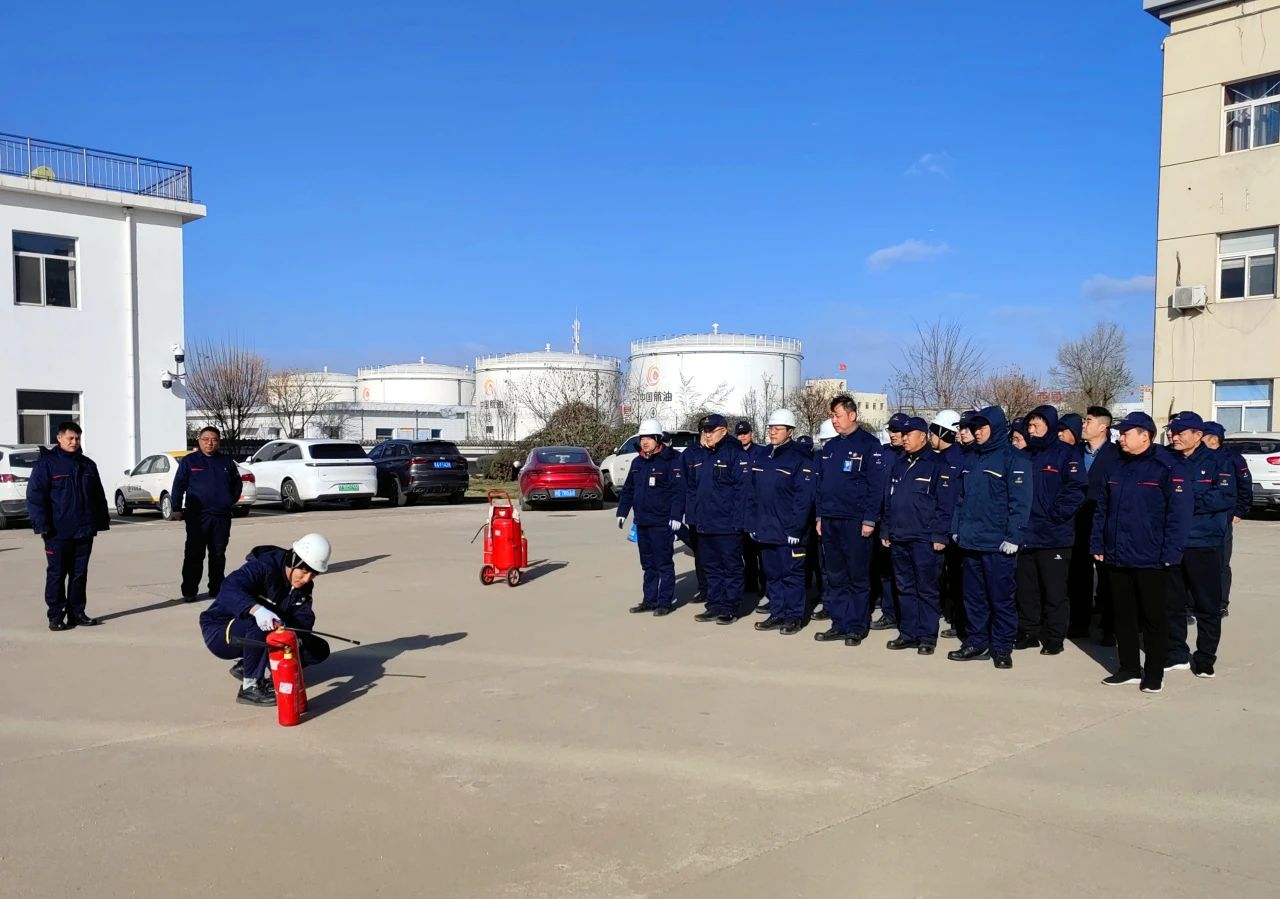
[(655, 492)]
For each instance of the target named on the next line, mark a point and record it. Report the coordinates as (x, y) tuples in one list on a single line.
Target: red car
[(560, 474)]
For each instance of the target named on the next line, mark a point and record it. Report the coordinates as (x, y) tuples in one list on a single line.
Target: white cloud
[(1105, 287), (907, 251), (930, 164)]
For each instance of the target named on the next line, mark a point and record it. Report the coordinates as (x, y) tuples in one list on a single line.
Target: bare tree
[(332, 420), (294, 399), (545, 393), (811, 405), (694, 404), (940, 369), (1094, 370), (1014, 391), (227, 383)]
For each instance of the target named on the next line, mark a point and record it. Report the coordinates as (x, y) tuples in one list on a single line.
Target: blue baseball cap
[(915, 423), (1212, 427), (897, 422), (713, 421), (1186, 421), (1137, 420)]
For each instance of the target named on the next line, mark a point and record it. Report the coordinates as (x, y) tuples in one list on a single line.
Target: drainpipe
[(132, 436)]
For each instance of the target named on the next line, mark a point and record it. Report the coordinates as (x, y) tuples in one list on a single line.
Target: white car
[(297, 472), (1262, 453), (615, 466), (15, 470), (147, 486)]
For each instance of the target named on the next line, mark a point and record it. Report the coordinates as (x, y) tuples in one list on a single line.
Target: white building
[(91, 304)]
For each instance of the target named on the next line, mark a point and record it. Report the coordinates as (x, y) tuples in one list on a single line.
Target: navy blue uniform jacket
[(1213, 484), (852, 471), (262, 575), (1244, 481), (716, 487), (780, 500), (65, 498), (654, 489), (1144, 513), (1107, 455), (1058, 483), (919, 499), (209, 485), (993, 502)]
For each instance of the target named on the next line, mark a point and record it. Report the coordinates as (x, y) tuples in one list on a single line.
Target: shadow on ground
[(363, 667), (539, 568), (1105, 656), (355, 563), (154, 607)]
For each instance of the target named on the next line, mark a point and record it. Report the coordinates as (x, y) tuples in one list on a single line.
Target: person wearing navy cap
[(1141, 520), (752, 570), (714, 508), (917, 521), (884, 590), (1197, 581), (1214, 435), (691, 458), (964, 436), (1018, 433)]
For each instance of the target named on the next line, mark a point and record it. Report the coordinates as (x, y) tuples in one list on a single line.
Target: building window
[(1247, 264), (44, 270), (41, 411), (1242, 405), (382, 433), (1252, 113)]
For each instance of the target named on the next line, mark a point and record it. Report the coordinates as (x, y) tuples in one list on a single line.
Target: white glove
[(675, 525), (793, 541), (267, 619), (621, 521), (1008, 548)]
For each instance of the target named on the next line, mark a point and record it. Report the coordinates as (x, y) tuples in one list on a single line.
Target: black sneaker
[(1202, 669), (705, 616), (662, 611), (1177, 666), (925, 649), (1002, 660), (1025, 641), (854, 640), (969, 654), (237, 670), (830, 635), (949, 633), (772, 623), (641, 609), (1051, 649), (61, 625), (255, 695), (884, 623), (793, 626), (902, 643), (1150, 688), (1121, 679), (726, 619)]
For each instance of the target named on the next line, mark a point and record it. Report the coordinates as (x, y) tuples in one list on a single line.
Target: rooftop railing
[(752, 341), (43, 160)]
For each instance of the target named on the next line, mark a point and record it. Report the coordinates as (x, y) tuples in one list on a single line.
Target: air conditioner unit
[(1193, 297)]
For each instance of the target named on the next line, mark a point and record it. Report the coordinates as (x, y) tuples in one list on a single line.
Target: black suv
[(408, 469)]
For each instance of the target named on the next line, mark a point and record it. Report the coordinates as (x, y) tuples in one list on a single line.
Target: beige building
[(1217, 329)]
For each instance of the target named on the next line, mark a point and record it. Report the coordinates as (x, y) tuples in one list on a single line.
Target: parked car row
[(15, 469), (1262, 454), (147, 486)]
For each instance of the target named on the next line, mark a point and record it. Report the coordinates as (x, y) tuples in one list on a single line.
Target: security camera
[(178, 355), (166, 380)]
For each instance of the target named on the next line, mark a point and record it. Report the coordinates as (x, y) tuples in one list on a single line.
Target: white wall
[(85, 349)]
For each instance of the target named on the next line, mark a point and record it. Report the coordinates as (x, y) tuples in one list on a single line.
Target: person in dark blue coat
[(944, 437), (1070, 429), (205, 490), (1141, 519), (884, 590), (272, 588), (655, 492), (1197, 581), (1087, 588), (1059, 483), (67, 507), (693, 457), (778, 509), (715, 504), (1018, 433), (993, 505), (851, 472), (918, 503), (1214, 435), (752, 570)]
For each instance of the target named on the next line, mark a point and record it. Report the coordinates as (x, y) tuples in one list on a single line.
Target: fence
[(44, 160)]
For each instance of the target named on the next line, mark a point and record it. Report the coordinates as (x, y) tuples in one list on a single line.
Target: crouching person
[(273, 587)]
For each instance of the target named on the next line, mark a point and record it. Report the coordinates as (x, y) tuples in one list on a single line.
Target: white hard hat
[(947, 418), (313, 550), (651, 428), (827, 431), (782, 417)]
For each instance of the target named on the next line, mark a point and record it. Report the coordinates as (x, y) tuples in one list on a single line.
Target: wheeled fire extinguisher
[(286, 676), (506, 549)]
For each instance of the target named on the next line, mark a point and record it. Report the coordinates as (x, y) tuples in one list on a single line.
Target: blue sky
[(447, 179)]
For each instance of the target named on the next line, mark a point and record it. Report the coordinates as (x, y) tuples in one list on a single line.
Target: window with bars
[(1252, 113)]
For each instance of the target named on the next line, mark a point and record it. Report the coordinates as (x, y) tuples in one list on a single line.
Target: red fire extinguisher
[(286, 677)]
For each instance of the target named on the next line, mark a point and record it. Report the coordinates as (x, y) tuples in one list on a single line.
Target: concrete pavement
[(541, 742)]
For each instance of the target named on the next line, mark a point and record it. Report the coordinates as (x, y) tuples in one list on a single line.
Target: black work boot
[(255, 695)]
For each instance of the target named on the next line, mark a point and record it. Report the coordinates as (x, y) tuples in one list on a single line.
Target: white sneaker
[(1178, 666)]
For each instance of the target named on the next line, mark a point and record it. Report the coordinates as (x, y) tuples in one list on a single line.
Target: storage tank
[(416, 383), (516, 393), (336, 386), (673, 379)]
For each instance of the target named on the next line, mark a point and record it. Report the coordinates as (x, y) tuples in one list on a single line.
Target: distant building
[(1217, 334), (91, 304)]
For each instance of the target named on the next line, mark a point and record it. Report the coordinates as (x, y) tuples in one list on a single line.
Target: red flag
[(843, 367)]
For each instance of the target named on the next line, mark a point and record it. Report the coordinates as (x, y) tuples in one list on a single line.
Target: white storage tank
[(675, 378), (336, 386), (516, 393), (416, 383)]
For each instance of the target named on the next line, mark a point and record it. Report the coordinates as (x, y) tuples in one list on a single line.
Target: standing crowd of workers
[(1014, 533), (68, 508)]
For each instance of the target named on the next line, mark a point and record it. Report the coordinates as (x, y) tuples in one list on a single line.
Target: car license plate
[(564, 494), (348, 488), (443, 464)]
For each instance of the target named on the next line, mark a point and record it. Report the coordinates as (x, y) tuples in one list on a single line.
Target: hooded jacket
[(852, 470), (780, 500), (260, 577), (1073, 423), (654, 489), (716, 487), (65, 498), (206, 485), (919, 499), (1144, 512), (1058, 483), (993, 503), (1214, 488)]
